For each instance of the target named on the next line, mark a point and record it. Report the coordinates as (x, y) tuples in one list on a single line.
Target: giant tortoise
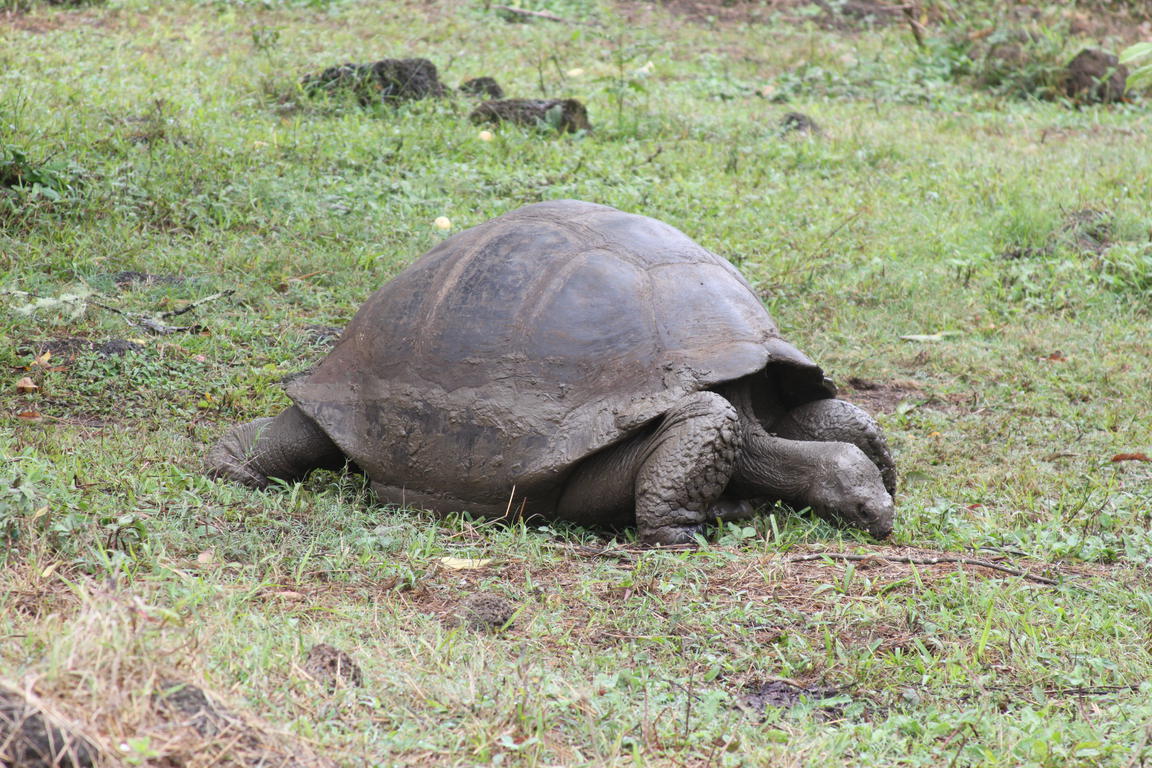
[(571, 361)]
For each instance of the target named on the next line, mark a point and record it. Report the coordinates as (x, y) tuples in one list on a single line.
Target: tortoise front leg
[(843, 422), (672, 477), (288, 447)]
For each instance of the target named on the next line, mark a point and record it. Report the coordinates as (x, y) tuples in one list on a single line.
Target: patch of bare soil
[(785, 694), (881, 396), (66, 348), (31, 737)]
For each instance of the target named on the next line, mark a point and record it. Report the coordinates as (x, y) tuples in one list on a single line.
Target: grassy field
[(974, 267)]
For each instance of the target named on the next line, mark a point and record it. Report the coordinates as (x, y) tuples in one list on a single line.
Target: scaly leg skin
[(287, 447), (689, 462), (672, 477), (840, 421)]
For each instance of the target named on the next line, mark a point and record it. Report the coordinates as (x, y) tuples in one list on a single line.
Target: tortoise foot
[(670, 535)]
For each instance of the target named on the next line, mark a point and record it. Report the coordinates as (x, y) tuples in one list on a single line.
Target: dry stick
[(926, 561), (153, 323), (914, 25), (535, 14)]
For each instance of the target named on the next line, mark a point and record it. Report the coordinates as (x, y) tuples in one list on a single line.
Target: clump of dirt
[(69, 347), (192, 722), (388, 81), (486, 87), (880, 396), (784, 694), (1095, 77), (332, 667), (133, 279), (1087, 231), (798, 122), (31, 738), (487, 612), (565, 115)]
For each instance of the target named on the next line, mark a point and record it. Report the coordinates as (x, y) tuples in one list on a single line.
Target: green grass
[(172, 139)]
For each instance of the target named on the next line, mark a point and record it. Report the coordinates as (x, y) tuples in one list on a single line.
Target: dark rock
[(1095, 77), (486, 611), (482, 86), (798, 122), (28, 739), (332, 667), (565, 115), (388, 81), (187, 704)]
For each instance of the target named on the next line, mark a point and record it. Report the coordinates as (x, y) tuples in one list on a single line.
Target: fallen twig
[(926, 561), (546, 15), (153, 324), (915, 25)]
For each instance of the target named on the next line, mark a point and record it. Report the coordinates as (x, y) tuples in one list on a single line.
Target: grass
[(172, 139)]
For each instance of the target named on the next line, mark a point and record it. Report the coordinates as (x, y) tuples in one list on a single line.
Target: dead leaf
[(464, 563), (26, 385), (30, 415), (287, 594), (42, 360), (207, 557), (940, 336), (1131, 457), (1055, 357)]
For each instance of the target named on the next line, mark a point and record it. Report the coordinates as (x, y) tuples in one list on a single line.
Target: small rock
[(332, 667), (387, 80), (482, 86), (565, 115), (1095, 77), (176, 701), (486, 611), (798, 122)]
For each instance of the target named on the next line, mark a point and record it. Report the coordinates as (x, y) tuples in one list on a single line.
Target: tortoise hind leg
[(840, 421), (674, 476), (287, 447)]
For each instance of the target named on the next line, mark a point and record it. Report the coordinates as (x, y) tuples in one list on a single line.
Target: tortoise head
[(847, 489)]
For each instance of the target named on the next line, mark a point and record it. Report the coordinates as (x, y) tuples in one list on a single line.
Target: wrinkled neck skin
[(770, 466)]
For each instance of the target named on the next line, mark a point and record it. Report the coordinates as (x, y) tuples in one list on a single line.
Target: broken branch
[(927, 561)]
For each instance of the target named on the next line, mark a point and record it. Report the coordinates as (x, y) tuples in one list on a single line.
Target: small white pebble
[(443, 222), (485, 136)]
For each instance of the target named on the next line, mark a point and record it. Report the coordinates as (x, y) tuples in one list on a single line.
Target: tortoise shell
[(512, 350)]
